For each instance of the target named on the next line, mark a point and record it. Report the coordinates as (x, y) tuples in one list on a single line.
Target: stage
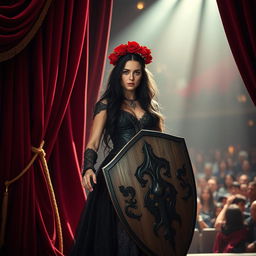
[(222, 254)]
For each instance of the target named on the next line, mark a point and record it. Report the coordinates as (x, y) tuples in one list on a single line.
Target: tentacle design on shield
[(152, 187)]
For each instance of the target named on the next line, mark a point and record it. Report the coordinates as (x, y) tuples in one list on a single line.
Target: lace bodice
[(128, 125)]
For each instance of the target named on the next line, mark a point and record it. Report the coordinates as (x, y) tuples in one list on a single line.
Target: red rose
[(146, 54), (142, 51), (133, 47), (148, 59), (145, 51), (121, 49), (113, 57)]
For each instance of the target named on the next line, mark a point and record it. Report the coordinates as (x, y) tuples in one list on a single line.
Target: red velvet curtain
[(239, 22), (17, 19), (45, 91)]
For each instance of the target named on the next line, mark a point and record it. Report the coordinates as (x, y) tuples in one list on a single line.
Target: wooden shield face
[(152, 187)]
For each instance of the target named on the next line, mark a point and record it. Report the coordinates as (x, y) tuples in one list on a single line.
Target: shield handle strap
[(41, 153)]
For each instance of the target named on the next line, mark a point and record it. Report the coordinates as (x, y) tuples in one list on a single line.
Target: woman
[(208, 209), (233, 233), (201, 221), (127, 106)]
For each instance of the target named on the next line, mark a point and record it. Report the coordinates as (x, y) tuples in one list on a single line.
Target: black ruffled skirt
[(99, 231)]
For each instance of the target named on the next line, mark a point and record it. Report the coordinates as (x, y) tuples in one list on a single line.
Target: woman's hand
[(87, 178), (230, 200)]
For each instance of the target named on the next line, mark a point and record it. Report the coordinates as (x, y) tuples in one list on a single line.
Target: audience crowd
[(226, 190)]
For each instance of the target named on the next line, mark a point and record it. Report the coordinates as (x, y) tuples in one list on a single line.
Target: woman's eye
[(125, 71), (137, 72)]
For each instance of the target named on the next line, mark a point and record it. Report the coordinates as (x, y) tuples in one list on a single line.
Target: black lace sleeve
[(99, 107)]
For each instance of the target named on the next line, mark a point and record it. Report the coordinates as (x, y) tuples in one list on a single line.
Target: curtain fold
[(44, 95), (19, 23), (238, 18), (96, 52)]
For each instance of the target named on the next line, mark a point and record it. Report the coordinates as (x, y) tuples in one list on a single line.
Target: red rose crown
[(130, 47)]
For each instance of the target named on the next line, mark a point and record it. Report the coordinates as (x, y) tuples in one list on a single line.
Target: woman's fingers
[(94, 178), (88, 181), (88, 178), (84, 182)]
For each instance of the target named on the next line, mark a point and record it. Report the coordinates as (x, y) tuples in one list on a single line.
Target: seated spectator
[(243, 178), (208, 205), (235, 188), (240, 201), (251, 193), (251, 223), (246, 169), (216, 161), (202, 221), (242, 155), (220, 220), (199, 162), (232, 234), (200, 184), (213, 185), (222, 199), (207, 171), (223, 171), (244, 190), (228, 182)]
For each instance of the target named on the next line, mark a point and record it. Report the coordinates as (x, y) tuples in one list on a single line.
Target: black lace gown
[(99, 232)]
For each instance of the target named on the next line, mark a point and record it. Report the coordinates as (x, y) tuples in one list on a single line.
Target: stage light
[(241, 98), (140, 5), (231, 150), (250, 123)]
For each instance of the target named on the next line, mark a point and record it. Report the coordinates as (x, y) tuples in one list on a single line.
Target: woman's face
[(131, 75), (229, 180), (205, 195), (223, 166)]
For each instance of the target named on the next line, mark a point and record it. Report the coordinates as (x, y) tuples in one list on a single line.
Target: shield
[(152, 187)]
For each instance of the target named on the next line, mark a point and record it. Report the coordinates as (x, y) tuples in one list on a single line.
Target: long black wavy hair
[(234, 219), (113, 95)]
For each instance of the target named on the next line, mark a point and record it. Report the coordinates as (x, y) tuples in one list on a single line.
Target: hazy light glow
[(241, 98), (250, 123), (194, 69), (231, 150), (143, 28), (140, 5)]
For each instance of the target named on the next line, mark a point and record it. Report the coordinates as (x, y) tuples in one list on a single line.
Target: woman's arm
[(98, 125), (251, 247), (201, 222), (220, 220)]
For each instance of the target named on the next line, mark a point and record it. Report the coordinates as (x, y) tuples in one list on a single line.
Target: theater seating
[(202, 242)]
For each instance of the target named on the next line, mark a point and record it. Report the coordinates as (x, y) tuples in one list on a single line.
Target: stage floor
[(223, 254)]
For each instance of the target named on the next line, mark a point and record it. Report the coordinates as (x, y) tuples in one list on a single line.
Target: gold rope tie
[(42, 154), (38, 151)]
